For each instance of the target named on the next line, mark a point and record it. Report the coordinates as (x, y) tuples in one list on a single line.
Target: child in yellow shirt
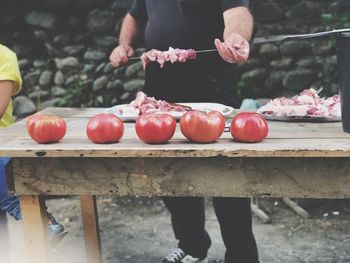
[(10, 85)]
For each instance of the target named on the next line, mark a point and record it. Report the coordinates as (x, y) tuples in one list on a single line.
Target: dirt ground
[(135, 230)]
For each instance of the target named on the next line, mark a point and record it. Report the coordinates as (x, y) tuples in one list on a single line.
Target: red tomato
[(155, 128), (249, 127), (105, 128), (45, 128), (202, 127)]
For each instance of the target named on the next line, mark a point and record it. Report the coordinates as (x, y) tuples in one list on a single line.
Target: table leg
[(35, 228), (91, 229)]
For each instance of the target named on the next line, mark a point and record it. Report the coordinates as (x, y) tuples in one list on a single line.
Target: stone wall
[(63, 48), (288, 67)]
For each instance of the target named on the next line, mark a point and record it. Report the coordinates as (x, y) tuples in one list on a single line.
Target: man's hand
[(120, 55), (235, 49)]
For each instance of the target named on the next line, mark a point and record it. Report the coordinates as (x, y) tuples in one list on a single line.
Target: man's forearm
[(129, 31), (240, 21)]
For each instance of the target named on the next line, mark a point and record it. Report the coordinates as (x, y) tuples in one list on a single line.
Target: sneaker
[(56, 230), (12, 206), (179, 256)]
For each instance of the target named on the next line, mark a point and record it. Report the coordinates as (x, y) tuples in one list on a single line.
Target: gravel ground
[(135, 230)]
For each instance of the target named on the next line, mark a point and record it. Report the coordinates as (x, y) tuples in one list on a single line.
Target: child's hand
[(120, 55)]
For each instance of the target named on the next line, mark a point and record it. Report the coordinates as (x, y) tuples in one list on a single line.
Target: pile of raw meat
[(172, 55), (143, 104), (306, 104)]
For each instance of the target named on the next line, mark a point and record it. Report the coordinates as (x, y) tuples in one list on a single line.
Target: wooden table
[(302, 160)]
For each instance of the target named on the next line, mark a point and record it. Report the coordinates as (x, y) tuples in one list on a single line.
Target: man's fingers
[(123, 55), (217, 45), (114, 63), (219, 48), (223, 51), (131, 52), (114, 59), (227, 53), (217, 42), (241, 46), (242, 53), (245, 48), (238, 56), (120, 55)]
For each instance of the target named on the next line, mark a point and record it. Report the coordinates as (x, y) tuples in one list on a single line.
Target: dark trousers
[(234, 216)]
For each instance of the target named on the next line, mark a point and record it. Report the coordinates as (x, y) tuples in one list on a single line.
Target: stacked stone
[(286, 68), (63, 48)]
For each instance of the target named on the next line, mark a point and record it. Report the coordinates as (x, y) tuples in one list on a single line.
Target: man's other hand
[(235, 49), (120, 55)]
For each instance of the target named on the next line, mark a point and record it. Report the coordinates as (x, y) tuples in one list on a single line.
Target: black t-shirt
[(187, 24)]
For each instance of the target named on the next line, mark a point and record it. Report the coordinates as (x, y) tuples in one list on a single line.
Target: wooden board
[(284, 140), (181, 148), (220, 176)]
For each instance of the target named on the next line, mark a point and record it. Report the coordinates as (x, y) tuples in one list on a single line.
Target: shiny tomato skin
[(46, 128), (249, 127), (105, 128), (202, 127), (155, 128)]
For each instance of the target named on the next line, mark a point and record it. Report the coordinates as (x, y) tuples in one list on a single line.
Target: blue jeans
[(7, 203)]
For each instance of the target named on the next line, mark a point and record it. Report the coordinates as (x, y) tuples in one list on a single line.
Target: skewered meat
[(307, 103), (172, 55)]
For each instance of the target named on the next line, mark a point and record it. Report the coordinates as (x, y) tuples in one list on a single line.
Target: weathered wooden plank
[(35, 228), (180, 148), (91, 229), (286, 177)]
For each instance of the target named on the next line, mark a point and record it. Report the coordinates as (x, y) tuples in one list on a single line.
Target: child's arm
[(6, 90)]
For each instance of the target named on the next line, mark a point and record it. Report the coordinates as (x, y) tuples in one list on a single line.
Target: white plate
[(301, 118), (201, 106)]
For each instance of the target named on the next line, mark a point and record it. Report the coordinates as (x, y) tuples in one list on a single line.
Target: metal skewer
[(276, 38)]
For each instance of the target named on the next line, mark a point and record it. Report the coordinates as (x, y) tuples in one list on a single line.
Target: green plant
[(332, 20), (241, 86), (79, 94), (335, 20)]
